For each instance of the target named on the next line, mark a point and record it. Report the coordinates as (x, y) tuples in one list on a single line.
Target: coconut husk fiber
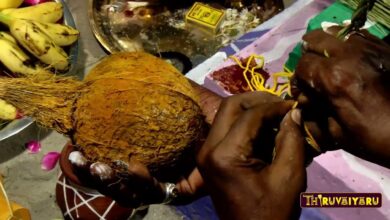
[(130, 106)]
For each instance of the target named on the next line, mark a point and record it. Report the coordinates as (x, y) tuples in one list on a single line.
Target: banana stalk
[(31, 37), (48, 12)]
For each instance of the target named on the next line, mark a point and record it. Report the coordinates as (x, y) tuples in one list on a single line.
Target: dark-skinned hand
[(351, 80), (242, 185)]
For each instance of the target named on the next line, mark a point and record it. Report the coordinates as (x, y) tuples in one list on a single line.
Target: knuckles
[(346, 78)]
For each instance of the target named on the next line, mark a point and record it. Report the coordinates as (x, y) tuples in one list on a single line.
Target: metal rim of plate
[(160, 35), (97, 31), (17, 126), (179, 59)]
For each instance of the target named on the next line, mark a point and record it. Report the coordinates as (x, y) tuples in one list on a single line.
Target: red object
[(35, 2), (33, 147), (231, 78), (50, 160), (19, 114), (78, 200)]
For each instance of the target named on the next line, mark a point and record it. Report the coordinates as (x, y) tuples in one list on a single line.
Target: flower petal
[(19, 114), (33, 146), (34, 2), (49, 161)]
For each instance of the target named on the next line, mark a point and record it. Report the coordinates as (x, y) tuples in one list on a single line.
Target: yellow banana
[(7, 36), (16, 60), (10, 3), (62, 35), (7, 111), (19, 63), (49, 12), (33, 39)]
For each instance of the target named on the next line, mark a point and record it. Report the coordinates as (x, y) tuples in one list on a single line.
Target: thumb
[(191, 186), (290, 154)]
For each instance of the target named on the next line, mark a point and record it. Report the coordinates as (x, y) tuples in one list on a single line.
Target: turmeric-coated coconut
[(131, 106), (139, 107)]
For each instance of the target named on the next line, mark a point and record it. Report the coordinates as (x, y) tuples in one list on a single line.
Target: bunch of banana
[(7, 111), (35, 29), (16, 60), (13, 57), (42, 39)]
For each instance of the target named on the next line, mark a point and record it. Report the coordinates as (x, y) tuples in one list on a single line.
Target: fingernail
[(305, 45), (102, 170), (77, 158), (296, 116), (285, 118), (326, 26)]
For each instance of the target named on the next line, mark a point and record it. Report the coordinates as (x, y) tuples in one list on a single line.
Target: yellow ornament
[(10, 210)]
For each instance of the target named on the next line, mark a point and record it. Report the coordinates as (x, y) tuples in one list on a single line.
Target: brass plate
[(154, 28), (158, 26)]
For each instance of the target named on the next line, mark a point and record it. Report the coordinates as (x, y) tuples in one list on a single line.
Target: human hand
[(242, 185), (350, 79), (139, 187)]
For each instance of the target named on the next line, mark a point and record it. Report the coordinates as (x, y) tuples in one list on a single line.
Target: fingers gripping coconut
[(133, 108)]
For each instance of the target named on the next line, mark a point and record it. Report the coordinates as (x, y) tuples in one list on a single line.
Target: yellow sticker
[(205, 15)]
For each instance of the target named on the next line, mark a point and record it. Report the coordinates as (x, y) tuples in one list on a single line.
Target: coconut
[(131, 106)]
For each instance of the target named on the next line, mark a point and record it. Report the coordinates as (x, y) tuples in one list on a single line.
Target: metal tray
[(158, 26), (17, 126)]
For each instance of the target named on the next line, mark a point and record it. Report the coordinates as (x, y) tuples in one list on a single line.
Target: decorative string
[(257, 82)]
